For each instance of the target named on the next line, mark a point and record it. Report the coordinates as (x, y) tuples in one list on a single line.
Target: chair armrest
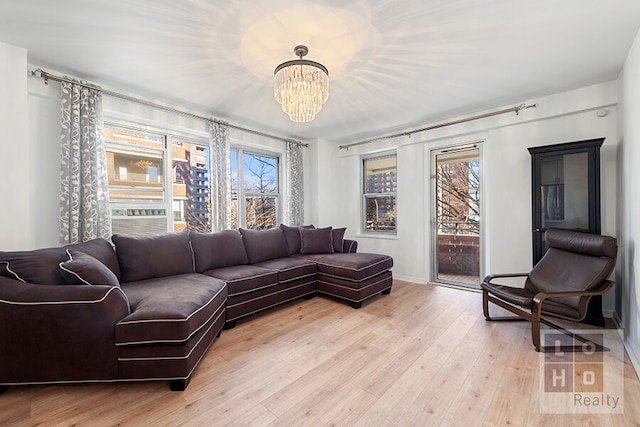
[(58, 332), (540, 297), (349, 246), (490, 277)]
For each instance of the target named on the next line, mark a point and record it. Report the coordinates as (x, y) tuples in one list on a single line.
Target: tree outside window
[(254, 190)]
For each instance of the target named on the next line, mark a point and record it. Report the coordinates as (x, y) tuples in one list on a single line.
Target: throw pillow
[(292, 236), (83, 269), (316, 241), (338, 239), (100, 249)]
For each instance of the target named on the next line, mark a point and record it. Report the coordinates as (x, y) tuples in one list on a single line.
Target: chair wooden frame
[(535, 313)]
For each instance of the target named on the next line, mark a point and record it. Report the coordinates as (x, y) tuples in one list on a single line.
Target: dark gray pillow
[(100, 249), (337, 234), (292, 236), (39, 266), (263, 245), (317, 241), (146, 257), (83, 269), (217, 250)]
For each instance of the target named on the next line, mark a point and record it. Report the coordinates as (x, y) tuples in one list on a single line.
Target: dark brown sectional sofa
[(150, 309)]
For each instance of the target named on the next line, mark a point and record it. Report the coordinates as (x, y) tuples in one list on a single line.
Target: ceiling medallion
[(301, 86)]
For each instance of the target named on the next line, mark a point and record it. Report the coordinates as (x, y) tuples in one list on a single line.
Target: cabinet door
[(566, 189)]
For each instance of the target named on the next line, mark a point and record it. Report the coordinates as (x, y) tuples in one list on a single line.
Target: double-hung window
[(379, 193), (158, 182), (255, 189)]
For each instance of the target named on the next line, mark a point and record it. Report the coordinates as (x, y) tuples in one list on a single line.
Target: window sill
[(384, 236)]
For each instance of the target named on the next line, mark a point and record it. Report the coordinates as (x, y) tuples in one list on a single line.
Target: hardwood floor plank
[(423, 355)]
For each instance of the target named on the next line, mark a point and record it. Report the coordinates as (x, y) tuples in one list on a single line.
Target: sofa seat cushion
[(169, 309), (245, 278), (355, 267), (290, 268)]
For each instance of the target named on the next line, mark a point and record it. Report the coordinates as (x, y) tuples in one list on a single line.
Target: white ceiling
[(393, 64)]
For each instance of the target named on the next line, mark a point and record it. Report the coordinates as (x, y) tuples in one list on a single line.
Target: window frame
[(377, 194), (242, 194), (169, 135)]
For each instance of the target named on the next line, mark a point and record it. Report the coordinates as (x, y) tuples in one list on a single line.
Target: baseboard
[(633, 356), (410, 279), (608, 313)]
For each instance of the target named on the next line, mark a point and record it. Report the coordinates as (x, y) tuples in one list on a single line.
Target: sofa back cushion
[(42, 266), (292, 236), (217, 250), (39, 266), (317, 241), (83, 269), (146, 257), (337, 234), (263, 245)]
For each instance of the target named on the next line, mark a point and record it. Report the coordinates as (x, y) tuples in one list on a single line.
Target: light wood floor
[(423, 356)]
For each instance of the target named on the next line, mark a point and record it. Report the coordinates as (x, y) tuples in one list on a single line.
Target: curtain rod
[(40, 73), (515, 109)]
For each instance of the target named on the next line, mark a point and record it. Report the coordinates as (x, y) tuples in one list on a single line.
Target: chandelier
[(301, 86)]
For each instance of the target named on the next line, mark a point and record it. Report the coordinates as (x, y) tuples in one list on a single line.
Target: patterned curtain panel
[(84, 200), (294, 211), (220, 173)]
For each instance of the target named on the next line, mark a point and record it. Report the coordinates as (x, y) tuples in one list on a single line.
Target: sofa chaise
[(149, 307)]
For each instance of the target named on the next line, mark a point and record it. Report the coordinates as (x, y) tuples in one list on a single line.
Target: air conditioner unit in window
[(139, 221)]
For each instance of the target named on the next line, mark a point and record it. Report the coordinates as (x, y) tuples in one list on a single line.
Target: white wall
[(17, 183), (506, 180), (628, 301)]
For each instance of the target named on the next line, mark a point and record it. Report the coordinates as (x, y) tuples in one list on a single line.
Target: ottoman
[(354, 276)]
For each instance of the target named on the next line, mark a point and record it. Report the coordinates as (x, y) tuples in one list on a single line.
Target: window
[(169, 174), (379, 193), (134, 165), (192, 185), (254, 189)]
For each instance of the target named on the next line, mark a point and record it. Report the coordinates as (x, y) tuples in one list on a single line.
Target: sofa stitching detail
[(163, 341), (272, 305), (62, 267), (15, 275), (354, 269), (266, 296), (247, 278), (297, 278), (253, 289), (351, 289), (351, 280), (193, 256), (96, 301), (143, 359)]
